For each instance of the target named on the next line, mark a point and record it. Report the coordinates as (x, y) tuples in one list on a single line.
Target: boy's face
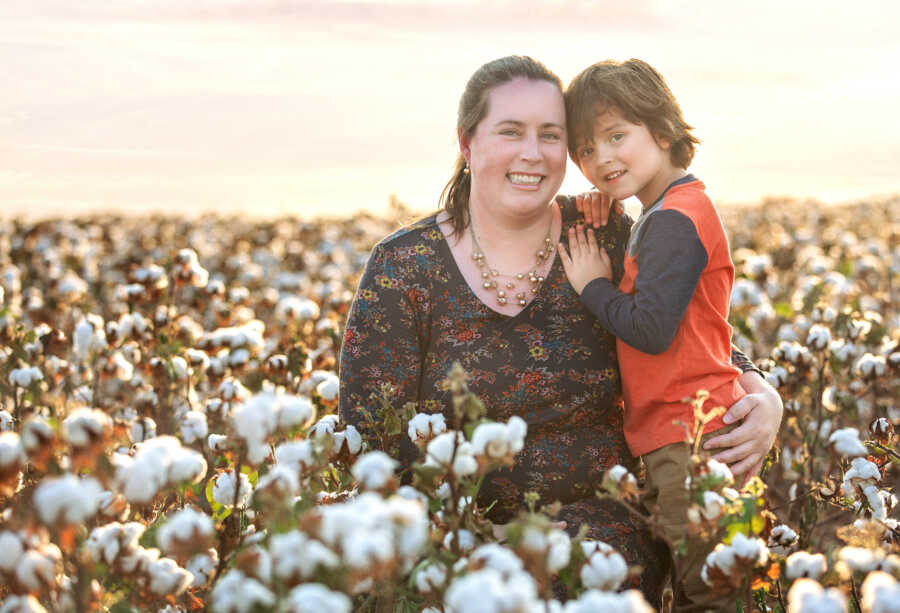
[(624, 159)]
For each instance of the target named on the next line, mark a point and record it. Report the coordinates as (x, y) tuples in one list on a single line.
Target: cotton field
[(169, 438)]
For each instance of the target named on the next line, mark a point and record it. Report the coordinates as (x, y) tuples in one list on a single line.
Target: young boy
[(670, 311)]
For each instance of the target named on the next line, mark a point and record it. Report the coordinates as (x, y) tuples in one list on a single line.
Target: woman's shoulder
[(423, 229)]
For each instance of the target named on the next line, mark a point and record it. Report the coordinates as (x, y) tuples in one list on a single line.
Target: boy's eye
[(586, 152), (616, 137)]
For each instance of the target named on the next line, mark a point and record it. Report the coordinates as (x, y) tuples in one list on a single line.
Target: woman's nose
[(531, 149)]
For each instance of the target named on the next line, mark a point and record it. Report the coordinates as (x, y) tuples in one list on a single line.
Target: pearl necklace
[(489, 275)]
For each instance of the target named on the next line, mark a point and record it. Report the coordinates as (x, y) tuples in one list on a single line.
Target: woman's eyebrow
[(516, 122)]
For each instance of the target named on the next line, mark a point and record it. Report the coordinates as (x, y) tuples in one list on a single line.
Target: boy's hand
[(596, 207), (587, 261)]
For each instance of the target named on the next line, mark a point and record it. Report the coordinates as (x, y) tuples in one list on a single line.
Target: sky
[(326, 107)]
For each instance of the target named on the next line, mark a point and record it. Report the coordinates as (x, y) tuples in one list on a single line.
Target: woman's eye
[(551, 136), (509, 132)]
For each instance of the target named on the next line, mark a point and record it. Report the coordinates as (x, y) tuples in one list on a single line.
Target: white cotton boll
[(21, 604), (440, 451), (713, 505), (296, 556), (843, 351), (465, 540), (39, 568), (807, 596), (11, 549), (349, 437), (23, 377), (858, 559), (845, 441), (368, 550), (233, 390), (166, 577), (294, 308), (324, 427), (193, 427), (880, 593), (67, 499), (186, 526), (85, 426), (591, 601), (559, 550), (745, 293), (777, 377), (497, 557), (604, 570), (818, 338), (870, 366), (216, 442), (187, 466), (431, 577), (6, 421), (89, 336), (224, 489), (426, 426), (280, 478), (862, 472), (328, 388), (295, 411), (237, 593), (297, 455), (488, 591), (12, 452), (782, 539), (408, 492), (202, 566), (876, 502), (158, 462), (497, 441), (374, 470), (803, 564), (316, 598)]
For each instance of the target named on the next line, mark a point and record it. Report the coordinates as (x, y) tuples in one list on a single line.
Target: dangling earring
[(466, 169)]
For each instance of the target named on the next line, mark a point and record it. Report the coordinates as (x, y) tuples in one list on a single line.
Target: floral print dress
[(414, 315)]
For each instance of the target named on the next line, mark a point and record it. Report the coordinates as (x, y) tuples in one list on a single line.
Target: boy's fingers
[(749, 466), (735, 454), (599, 208), (579, 202)]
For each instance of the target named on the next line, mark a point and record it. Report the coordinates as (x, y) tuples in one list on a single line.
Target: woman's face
[(517, 154)]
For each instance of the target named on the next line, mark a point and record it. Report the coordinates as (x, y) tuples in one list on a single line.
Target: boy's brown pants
[(666, 496)]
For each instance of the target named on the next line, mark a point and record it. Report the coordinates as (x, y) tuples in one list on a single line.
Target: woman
[(478, 283)]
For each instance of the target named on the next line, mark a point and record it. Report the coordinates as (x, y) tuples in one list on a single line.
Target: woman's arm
[(381, 346), (746, 446)]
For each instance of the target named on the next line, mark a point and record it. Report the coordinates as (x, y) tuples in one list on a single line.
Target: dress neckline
[(455, 269)]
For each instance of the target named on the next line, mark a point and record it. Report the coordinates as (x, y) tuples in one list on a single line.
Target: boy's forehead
[(607, 118)]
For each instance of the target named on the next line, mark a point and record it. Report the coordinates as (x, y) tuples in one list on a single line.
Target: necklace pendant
[(501, 293), (520, 276), (484, 274), (486, 285), (541, 254), (510, 285), (522, 302), (494, 273), (501, 300)]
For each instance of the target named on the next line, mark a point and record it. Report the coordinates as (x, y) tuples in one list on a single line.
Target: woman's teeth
[(525, 179)]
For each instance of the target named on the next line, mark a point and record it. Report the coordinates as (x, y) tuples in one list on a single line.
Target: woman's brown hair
[(473, 106)]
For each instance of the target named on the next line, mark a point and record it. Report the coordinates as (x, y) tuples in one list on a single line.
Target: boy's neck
[(666, 179)]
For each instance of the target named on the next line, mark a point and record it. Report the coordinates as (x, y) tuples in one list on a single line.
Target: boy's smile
[(624, 159)]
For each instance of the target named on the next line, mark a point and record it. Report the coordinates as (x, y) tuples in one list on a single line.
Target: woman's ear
[(464, 140)]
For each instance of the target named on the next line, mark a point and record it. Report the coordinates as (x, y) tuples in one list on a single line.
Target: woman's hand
[(596, 207), (746, 446)]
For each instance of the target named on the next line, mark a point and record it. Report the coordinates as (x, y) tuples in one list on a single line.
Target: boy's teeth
[(614, 175), (527, 179)]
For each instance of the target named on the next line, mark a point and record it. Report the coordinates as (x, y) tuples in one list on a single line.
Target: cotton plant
[(135, 359)]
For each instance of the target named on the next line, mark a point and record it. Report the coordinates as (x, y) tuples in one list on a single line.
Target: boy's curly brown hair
[(635, 89)]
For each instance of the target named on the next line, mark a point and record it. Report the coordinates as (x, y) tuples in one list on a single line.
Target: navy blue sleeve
[(670, 259)]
